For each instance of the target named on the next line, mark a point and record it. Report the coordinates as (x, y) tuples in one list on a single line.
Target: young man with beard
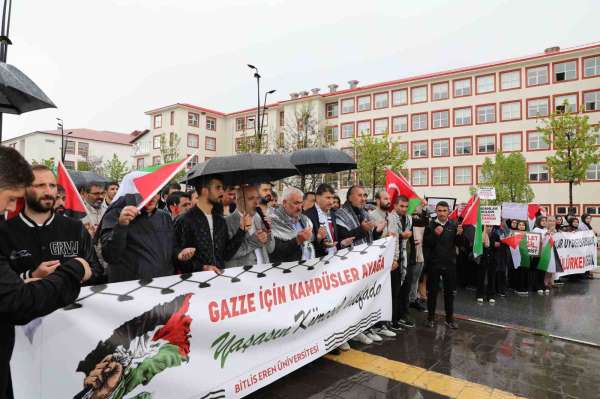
[(59, 204), (137, 244), (38, 240), (22, 302), (205, 240), (265, 192)]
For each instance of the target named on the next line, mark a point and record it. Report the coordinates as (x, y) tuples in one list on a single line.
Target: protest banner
[(577, 251), (203, 335), (486, 193), (490, 215), (513, 210), (534, 243)]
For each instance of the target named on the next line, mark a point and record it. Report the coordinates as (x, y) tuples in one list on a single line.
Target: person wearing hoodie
[(536, 276)]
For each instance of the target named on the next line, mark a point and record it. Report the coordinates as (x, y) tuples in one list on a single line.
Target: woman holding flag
[(536, 276)]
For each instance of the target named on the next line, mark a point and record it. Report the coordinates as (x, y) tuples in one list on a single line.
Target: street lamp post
[(4, 41), (260, 119), (63, 150)]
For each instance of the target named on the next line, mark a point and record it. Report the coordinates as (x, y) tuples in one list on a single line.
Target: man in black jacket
[(323, 221), (440, 239), (38, 240), (204, 243), (21, 302)]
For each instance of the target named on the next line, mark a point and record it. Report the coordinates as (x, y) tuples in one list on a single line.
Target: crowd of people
[(46, 256)]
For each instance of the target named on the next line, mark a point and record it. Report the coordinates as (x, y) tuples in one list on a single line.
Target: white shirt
[(210, 224)]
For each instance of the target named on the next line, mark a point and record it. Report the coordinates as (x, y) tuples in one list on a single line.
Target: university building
[(447, 122)]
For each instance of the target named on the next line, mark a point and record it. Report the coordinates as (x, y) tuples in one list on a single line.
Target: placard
[(513, 210), (490, 215), (486, 193), (534, 243)]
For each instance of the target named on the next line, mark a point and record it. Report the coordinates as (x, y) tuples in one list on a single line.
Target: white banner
[(513, 210), (202, 335), (490, 215), (486, 193), (577, 251)]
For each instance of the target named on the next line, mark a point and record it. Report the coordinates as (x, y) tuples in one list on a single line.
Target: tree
[(574, 142), (169, 147), (375, 154), (508, 175), (115, 169), (83, 166), (47, 162)]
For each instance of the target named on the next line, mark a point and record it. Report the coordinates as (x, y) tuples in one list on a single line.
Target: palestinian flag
[(518, 249), (74, 205), (396, 185), (138, 351), (472, 217), (549, 261), (532, 210)]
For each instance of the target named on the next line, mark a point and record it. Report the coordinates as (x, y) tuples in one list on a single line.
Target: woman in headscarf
[(586, 223), (522, 273), (536, 277), (549, 277), (501, 256), (572, 224)]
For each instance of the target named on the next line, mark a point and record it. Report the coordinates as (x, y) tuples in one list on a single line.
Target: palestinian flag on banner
[(396, 185), (518, 250), (138, 351), (74, 205), (549, 261), (532, 210), (472, 217)]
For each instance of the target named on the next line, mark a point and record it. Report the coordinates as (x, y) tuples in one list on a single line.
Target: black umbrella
[(18, 93), (243, 169), (321, 160), (81, 178)]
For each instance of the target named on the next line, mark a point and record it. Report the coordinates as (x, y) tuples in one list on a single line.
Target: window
[(172, 118), (463, 175), (439, 119), (462, 116), (418, 94), (536, 141), (83, 149), (593, 172), (70, 165), (537, 76), (419, 121), (571, 103), (347, 105), (156, 160), (399, 97), (250, 122), (381, 100), (210, 143), (538, 107), (591, 101), (403, 147), (381, 126), (439, 91), (281, 118), (440, 148), (346, 179), (511, 142), (363, 103), (156, 142), (462, 87), (538, 172), (348, 130), (157, 121), (463, 146), (510, 111), (139, 163), (591, 66), (486, 113), (596, 135), (485, 84), (565, 71), (193, 161), (510, 80), (419, 149), (193, 119), (592, 210), (419, 177), (486, 144), (239, 124), (563, 210), (440, 176), (331, 134), (211, 123), (481, 179), (331, 110), (399, 124), (363, 128), (193, 141)]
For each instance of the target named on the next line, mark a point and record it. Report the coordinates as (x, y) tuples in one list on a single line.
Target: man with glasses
[(93, 196)]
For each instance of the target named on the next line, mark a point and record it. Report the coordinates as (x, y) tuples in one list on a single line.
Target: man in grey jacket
[(258, 241)]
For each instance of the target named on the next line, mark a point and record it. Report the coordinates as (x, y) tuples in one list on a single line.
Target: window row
[(193, 121), (538, 75), (248, 122), (193, 141), (83, 149)]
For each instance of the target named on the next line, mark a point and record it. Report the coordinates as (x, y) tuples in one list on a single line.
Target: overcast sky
[(105, 62)]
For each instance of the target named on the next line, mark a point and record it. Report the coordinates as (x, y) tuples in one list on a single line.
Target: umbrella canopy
[(243, 169), (321, 160), (18, 93), (81, 178)]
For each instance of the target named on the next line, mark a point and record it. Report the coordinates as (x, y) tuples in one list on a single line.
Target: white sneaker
[(540, 292), (492, 300), (363, 339), (480, 300), (344, 347), (547, 292), (373, 336), (385, 331)]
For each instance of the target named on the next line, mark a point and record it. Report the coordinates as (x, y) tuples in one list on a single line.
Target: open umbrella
[(321, 160), (243, 169), (81, 178)]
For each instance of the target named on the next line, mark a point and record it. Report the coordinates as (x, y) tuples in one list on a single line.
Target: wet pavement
[(521, 363), (571, 310)]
